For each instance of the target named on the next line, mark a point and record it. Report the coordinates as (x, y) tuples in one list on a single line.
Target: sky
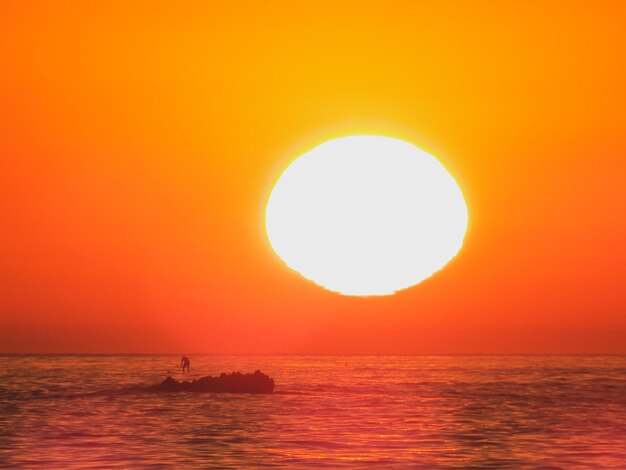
[(139, 142)]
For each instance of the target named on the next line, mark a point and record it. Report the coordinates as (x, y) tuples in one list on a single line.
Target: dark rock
[(225, 383)]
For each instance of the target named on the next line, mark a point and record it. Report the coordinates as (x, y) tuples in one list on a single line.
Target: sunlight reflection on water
[(417, 412)]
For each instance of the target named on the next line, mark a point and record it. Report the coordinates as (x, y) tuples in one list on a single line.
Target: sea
[(405, 412)]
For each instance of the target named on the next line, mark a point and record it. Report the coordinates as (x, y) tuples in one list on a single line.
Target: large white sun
[(366, 215)]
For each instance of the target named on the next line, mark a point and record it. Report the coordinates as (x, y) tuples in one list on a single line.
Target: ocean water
[(330, 412)]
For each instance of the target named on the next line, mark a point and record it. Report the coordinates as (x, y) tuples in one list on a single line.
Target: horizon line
[(277, 354)]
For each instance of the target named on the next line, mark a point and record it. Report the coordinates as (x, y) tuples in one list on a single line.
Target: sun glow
[(366, 215)]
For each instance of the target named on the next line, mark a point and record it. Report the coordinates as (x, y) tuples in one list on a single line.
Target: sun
[(366, 215)]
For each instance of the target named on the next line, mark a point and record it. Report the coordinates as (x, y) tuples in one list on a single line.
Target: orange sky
[(139, 142)]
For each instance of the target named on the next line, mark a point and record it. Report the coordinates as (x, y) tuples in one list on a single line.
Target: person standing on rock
[(184, 363)]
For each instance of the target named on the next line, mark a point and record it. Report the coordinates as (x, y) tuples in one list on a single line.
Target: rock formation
[(225, 383)]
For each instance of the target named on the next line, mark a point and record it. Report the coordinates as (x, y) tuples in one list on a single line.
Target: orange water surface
[(330, 412)]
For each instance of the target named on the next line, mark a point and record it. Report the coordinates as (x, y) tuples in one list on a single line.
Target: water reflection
[(437, 412)]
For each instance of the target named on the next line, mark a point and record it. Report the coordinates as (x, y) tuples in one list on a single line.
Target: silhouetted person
[(184, 363)]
